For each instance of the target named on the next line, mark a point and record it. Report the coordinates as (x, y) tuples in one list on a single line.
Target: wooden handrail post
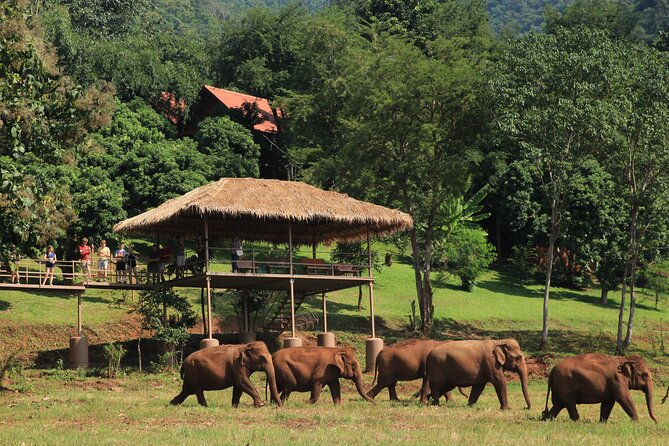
[(208, 279)]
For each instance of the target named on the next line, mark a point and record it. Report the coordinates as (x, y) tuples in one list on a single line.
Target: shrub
[(466, 254), (113, 354)]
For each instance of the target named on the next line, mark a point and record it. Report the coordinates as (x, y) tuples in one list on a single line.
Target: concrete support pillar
[(372, 348), (78, 354), (209, 342), (326, 339), (292, 342), (246, 337)]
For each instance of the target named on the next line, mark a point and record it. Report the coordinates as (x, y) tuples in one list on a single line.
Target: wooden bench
[(245, 266), (343, 269), (315, 266)]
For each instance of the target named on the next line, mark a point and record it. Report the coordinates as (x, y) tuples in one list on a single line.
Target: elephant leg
[(554, 411), (436, 393), (448, 396), (335, 390), (200, 398), (392, 392), (245, 385), (315, 392), (375, 390), (605, 411), (475, 394), (284, 395), (573, 413), (500, 388), (628, 406), (236, 395), (185, 392), (424, 391)]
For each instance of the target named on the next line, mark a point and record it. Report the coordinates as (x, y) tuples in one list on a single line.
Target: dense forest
[(532, 131)]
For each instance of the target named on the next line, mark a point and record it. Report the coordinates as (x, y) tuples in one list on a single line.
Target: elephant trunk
[(358, 385), (523, 383), (271, 378), (649, 400)]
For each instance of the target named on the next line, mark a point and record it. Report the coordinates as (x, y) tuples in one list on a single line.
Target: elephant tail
[(181, 371), (376, 371), (548, 392), (266, 383)]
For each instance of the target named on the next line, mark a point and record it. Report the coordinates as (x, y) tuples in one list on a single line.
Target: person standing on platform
[(131, 265), (152, 266), (85, 259), (181, 257), (51, 259), (236, 253), (104, 254), (120, 256)]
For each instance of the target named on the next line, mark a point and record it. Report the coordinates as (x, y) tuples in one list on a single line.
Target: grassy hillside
[(498, 307)]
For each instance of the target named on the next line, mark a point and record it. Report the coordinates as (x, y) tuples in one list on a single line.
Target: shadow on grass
[(563, 341), (4, 305)]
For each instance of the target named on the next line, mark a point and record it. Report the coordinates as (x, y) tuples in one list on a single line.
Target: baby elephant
[(309, 369), (595, 378), (217, 368)]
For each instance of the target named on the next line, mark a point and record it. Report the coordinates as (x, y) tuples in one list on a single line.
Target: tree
[(640, 158), (409, 138), (656, 278), (466, 254), (229, 147), (618, 18), (551, 97)]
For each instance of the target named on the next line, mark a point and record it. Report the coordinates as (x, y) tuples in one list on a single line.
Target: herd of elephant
[(442, 365)]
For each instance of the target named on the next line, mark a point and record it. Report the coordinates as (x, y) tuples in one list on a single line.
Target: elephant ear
[(627, 369), (500, 354), (340, 361)]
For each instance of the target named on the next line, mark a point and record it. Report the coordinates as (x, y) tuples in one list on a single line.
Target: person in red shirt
[(85, 258)]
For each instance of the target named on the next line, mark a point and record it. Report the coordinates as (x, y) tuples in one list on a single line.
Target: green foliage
[(615, 16), (655, 277), (523, 263), (9, 366), (520, 16), (228, 147), (466, 254), (113, 353), (256, 303), (105, 18), (168, 313)]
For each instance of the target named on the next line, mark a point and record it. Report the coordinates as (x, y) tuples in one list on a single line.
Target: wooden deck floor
[(310, 284)]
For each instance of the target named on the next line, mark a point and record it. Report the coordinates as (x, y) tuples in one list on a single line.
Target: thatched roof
[(256, 209)]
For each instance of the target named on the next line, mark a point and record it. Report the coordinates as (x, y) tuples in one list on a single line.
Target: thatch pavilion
[(271, 211)]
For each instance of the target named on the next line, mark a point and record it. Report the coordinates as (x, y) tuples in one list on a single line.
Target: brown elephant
[(476, 363), (217, 368), (403, 361), (308, 369), (596, 378)]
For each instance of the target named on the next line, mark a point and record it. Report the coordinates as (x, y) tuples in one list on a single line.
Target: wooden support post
[(293, 341), (373, 345), (209, 341), (79, 322)]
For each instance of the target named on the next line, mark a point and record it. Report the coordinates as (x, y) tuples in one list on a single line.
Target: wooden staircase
[(280, 319)]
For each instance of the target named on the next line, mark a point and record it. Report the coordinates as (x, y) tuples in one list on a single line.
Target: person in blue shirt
[(51, 259)]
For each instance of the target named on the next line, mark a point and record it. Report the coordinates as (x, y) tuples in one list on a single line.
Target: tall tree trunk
[(427, 287), (498, 234), (549, 271), (604, 297), (621, 311), (630, 320), (415, 254), (628, 270), (359, 299)]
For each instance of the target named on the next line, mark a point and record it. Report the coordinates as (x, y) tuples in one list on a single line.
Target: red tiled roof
[(168, 105), (236, 100)]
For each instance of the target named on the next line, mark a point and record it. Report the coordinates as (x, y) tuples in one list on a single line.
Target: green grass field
[(133, 410), (67, 407)]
